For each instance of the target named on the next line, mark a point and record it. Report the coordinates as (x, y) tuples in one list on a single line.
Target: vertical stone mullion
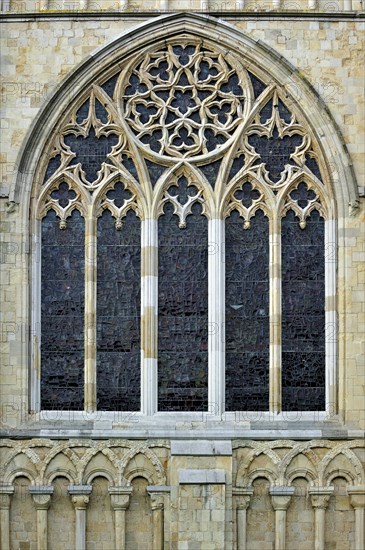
[(216, 316), (275, 314), (90, 312), (330, 315), (280, 499), (242, 496), (42, 499), (320, 497), (149, 309), (6, 492)]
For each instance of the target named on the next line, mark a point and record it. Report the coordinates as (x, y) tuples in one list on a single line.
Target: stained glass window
[(137, 281)]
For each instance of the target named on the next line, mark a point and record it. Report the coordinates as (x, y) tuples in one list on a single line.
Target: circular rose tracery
[(183, 100)]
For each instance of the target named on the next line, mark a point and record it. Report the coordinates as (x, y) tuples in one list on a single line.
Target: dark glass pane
[(312, 164), (236, 166), (53, 165), (247, 314), (257, 84), (275, 151), (91, 151), (109, 85), (118, 314), (303, 315), (183, 312), (62, 311), (211, 170), (155, 171)]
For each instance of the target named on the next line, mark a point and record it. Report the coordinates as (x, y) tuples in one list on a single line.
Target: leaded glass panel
[(183, 312), (303, 314), (118, 311), (62, 313), (247, 313)]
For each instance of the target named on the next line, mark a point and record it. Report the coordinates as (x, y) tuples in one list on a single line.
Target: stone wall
[(187, 501)]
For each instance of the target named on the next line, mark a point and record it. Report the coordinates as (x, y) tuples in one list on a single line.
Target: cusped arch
[(324, 467), (254, 53)]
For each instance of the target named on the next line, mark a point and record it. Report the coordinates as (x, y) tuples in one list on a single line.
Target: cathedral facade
[(182, 278)]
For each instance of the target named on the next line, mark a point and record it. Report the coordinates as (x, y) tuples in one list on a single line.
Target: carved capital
[(6, 491), (320, 496), (242, 497), (157, 501), (280, 502), (41, 502), (80, 495), (357, 496), (80, 501)]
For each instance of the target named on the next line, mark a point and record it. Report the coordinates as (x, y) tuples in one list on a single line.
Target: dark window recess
[(52, 167), (247, 314), (312, 164), (211, 170), (101, 112), (303, 314), (83, 112), (155, 171), (130, 166), (62, 313), (183, 312), (109, 85), (91, 151), (257, 84), (118, 314), (236, 166), (275, 151)]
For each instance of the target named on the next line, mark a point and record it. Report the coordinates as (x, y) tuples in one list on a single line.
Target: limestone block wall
[(245, 494), (327, 52)]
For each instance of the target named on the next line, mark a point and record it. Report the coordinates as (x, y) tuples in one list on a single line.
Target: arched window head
[(185, 212)]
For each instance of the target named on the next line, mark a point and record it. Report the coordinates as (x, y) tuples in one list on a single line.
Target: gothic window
[(184, 218)]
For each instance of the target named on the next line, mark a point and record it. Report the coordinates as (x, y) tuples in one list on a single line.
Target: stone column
[(80, 500), (119, 497), (357, 499), (156, 493), (5, 499), (280, 499), (275, 314), (242, 497), (42, 498), (320, 497)]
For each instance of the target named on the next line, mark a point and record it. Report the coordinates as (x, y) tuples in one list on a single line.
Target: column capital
[(6, 491), (281, 496), (119, 497), (80, 495), (157, 500), (320, 496), (357, 495), (242, 496)]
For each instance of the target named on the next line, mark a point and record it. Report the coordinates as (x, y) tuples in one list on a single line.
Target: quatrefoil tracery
[(189, 104)]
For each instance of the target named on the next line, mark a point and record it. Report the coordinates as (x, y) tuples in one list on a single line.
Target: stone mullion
[(6, 492), (242, 497), (280, 499), (90, 312), (357, 499), (149, 310), (275, 314), (320, 497), (330, 315), (42, 499), (80, 500), (216, 316)]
